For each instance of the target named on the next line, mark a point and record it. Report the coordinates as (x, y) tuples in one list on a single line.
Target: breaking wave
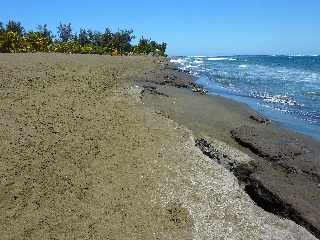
[(289, 85)]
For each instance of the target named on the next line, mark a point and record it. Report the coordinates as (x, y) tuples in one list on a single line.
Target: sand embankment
[(83, 158), (283, 175)]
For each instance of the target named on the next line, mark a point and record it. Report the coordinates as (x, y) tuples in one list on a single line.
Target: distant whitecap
[(217, 59), (179, 61), (243, 66)]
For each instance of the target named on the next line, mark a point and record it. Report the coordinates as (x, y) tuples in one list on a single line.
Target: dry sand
[(83, 158)]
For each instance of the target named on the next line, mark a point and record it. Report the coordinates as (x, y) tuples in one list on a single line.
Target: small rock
[(260, 119), (199, 90)]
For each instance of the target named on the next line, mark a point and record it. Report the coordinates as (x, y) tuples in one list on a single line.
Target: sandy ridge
[(83, 158)]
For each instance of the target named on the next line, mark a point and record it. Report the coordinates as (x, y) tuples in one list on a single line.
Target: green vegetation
[(14, 39), (147, 46)]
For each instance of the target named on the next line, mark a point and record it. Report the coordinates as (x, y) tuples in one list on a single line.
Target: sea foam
[(217, 59), (179, 60), (286, 84), (221, 59)]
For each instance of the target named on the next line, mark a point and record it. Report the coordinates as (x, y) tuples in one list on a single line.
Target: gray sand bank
[(284, 174), (83, 158)]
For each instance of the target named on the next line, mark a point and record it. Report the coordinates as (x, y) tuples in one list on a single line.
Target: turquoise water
[(284, 88)]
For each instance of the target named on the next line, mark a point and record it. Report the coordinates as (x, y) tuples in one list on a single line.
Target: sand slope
[(83, 158)]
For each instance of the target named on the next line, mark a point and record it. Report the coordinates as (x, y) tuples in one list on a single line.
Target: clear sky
[(198, 27)]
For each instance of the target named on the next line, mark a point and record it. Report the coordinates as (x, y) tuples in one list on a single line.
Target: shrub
[(66, 47), (146, 46), (65, 32), (14, 39), (87, 49), (37, 42), (15, 27), (45, 32), (121, 41), (84, 37), (11, 42), (2, 29), (102, 50)]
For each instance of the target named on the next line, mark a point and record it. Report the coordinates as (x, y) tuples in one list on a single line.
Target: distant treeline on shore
[(15, 39)]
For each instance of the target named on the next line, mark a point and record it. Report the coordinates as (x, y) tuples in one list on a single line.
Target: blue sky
[(202, 27)]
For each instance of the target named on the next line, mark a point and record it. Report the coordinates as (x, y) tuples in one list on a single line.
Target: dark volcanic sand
[(285, 175)]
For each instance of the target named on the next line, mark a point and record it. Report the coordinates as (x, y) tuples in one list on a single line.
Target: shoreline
[(280, 155), (277, 118), (85, 156), (290, 114)]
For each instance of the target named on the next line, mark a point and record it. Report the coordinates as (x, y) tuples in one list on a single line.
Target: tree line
[(15, 39)]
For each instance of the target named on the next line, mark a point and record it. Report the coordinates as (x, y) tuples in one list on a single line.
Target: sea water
[(285, 89)]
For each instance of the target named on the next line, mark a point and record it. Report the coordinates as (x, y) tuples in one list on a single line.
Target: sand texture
[(82, 157)]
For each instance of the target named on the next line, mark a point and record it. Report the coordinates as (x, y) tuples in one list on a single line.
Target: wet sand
[(84, 157), (284, 176)]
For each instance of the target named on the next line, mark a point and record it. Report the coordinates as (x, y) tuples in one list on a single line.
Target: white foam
[(243, 66), (280, 99), (221, 59), (191, 66), (217, 59), (198, 61), (179, 60)]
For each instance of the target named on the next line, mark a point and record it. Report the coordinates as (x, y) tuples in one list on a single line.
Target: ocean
[(286, 89)]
